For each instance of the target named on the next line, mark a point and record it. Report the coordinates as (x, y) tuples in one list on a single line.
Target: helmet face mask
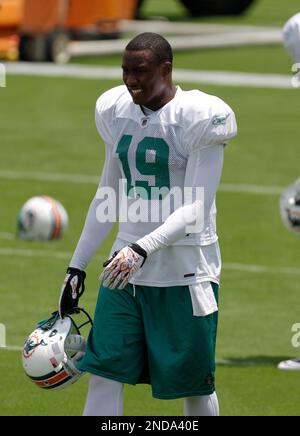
[(290, 207), (51, 351)]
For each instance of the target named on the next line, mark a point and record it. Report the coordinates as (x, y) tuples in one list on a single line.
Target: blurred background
[(59, 57), (32, 30)]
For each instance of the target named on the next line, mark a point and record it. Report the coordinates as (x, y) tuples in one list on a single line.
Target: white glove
[(121, 267)]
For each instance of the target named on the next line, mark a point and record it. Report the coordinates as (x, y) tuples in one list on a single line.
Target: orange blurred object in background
[(46, 15), (35, 18), (11, 12)]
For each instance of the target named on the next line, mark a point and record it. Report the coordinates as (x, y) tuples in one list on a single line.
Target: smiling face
[(148, 82)]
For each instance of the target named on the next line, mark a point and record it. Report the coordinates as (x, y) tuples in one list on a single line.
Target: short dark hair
[(156, 43)]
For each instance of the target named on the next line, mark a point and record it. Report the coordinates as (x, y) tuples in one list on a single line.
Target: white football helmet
[(42, 218), (290, 207), (51, 351)]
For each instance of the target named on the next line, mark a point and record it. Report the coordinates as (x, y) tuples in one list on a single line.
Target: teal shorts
[(150, 335)]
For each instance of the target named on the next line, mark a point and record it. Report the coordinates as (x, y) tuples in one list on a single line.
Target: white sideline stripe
[(11, 348), (230, 78), (7, 236), (226, 266), (250, 189), (223, 78), (94, 180), (48, 177), (35, 253), (184, 42), (260, 269), (233, 362), (188, 28)]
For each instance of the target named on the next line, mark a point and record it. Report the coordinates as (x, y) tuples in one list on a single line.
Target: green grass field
[(262, 12), (47, 127)]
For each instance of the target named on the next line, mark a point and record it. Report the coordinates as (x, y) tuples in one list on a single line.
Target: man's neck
[(168, 96)]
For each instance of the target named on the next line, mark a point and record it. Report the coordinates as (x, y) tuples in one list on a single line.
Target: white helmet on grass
[(290, 207), (42, 218)]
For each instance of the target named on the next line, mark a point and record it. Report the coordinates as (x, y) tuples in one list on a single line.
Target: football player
[(157, 310), (291, 39), (290, 214)]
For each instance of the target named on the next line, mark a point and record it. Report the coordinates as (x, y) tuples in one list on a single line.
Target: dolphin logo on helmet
[(31, 344)]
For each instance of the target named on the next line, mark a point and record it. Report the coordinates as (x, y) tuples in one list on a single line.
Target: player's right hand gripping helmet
[(51, 351), (290, 207)]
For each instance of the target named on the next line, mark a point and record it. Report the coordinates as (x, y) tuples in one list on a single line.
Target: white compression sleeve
[(105, 397), (204, 169), (207, 405), (92, 236), (95, 230)]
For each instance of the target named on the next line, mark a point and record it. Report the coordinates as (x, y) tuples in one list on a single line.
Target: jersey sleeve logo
[(219, 120)]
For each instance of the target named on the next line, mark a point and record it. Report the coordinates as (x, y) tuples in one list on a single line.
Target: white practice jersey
[(291, 37), (173, 150)]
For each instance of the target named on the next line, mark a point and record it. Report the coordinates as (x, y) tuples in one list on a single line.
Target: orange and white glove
[(122, 265)]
